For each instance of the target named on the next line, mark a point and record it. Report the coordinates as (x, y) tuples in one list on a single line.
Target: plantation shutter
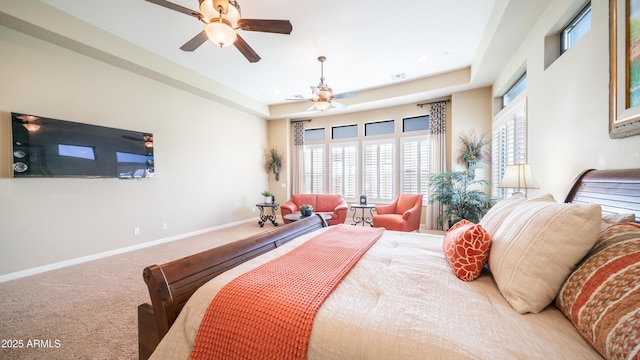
[(343, 169), (314, 169), (415, 165), (509, 143), (378, 169)]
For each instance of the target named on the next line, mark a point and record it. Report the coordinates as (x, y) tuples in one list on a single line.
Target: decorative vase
[(306, 212), (268, 199)]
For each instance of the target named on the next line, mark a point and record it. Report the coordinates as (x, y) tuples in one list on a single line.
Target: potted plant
[(273, 160), (268, 197), (474, 150), (456, 193), (306, 210)]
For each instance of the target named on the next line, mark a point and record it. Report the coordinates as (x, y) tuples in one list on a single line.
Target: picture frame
[(624, 103)]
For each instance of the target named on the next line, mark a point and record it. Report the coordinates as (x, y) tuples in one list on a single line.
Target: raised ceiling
[(389, 52)]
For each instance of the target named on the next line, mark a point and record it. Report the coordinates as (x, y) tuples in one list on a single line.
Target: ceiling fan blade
[(313, 107), (176, 7), (314, 89), (346, 95), (195, 42), (246, 50), (270, 26), (338, 105)]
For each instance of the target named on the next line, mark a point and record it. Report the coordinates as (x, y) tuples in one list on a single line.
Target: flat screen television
[(45, 147)]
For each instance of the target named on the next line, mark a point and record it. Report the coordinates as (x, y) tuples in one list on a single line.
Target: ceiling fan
[(322, 95), (222, 19)]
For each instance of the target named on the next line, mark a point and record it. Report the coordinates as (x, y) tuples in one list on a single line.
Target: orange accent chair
[(403, 214), (333, 205)]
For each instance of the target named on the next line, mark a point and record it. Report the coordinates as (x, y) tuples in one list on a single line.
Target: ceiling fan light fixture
[(322, 105), (210, 13), (221, 33)]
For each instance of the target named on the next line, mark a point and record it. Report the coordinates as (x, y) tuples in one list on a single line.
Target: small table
[(268, 217), (297, 216), (363, 219)]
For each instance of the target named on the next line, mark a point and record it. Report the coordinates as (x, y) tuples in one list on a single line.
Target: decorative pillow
[(537, 246), (495, 216), (602, 296), (466, 247)]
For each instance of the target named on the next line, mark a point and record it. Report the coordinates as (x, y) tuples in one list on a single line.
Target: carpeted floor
[(89, 310)]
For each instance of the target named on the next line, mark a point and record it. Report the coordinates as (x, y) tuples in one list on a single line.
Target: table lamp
[(518, 177)]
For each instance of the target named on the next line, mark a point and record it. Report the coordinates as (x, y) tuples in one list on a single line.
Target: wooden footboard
[(172, 284)]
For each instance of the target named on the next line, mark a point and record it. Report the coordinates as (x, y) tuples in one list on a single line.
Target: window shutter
[(343, 169), (314, 169), (509, 143), (378, 164), (415, 165)]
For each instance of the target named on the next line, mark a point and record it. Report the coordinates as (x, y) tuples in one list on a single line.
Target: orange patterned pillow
[(602, 295), (466, 247)]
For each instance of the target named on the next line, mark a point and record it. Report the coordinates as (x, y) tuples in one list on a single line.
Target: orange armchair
[(332, 205), (403, 214)]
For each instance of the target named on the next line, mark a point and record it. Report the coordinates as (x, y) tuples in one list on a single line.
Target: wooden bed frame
[(170, 285)]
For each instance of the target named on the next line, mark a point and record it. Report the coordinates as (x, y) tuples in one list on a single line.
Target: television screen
[(58, 148)]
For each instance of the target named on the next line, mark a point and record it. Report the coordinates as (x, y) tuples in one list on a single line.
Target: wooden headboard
[(617, 191)]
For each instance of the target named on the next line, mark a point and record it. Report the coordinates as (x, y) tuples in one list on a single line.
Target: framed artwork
[(624, 102)]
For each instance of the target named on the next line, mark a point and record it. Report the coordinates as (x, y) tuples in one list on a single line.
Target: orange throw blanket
[(268, 312)]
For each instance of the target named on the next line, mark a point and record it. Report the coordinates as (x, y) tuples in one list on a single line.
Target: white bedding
[(402, 301)]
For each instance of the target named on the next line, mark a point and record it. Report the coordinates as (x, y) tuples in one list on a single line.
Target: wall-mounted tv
[(45, 147)]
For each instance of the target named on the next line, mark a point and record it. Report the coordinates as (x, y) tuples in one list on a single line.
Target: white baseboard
[(83, 259)]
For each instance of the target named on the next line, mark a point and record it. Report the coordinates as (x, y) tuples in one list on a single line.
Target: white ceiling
[(368, 43)]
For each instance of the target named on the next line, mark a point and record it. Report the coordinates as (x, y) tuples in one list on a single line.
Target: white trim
[(84, 259)]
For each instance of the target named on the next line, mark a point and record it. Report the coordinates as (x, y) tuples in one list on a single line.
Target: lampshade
[(220, 32), (322, 105), (518, 177)]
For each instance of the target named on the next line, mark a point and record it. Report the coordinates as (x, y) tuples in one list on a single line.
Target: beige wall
[(568, 108), (471, 110), (209, 159)]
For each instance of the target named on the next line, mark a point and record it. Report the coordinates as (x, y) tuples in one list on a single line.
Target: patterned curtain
[(437, 122), (298, 152)]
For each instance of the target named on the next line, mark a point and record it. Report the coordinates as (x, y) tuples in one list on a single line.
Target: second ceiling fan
[(222, 19), (322, 95)]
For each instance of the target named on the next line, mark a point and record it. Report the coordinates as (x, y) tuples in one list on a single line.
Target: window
[(378, 169), (515, 90), (416, 123), (314, 134), (344, 132), (509, 143), (314, 169), (344, 169), (379, 128), (578, 26), (414, 170)]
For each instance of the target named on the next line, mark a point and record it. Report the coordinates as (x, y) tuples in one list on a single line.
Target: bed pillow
[(466, 247), (602, 296), (537, 246), (495, 216)]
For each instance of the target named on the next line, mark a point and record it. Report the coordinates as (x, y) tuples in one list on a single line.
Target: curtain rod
[(432, 102), (297, 121)]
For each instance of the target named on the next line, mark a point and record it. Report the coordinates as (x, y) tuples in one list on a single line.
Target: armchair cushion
[(330, 204), (403, 214)]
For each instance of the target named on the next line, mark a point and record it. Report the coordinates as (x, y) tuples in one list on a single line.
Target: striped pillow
[(602, 296)]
